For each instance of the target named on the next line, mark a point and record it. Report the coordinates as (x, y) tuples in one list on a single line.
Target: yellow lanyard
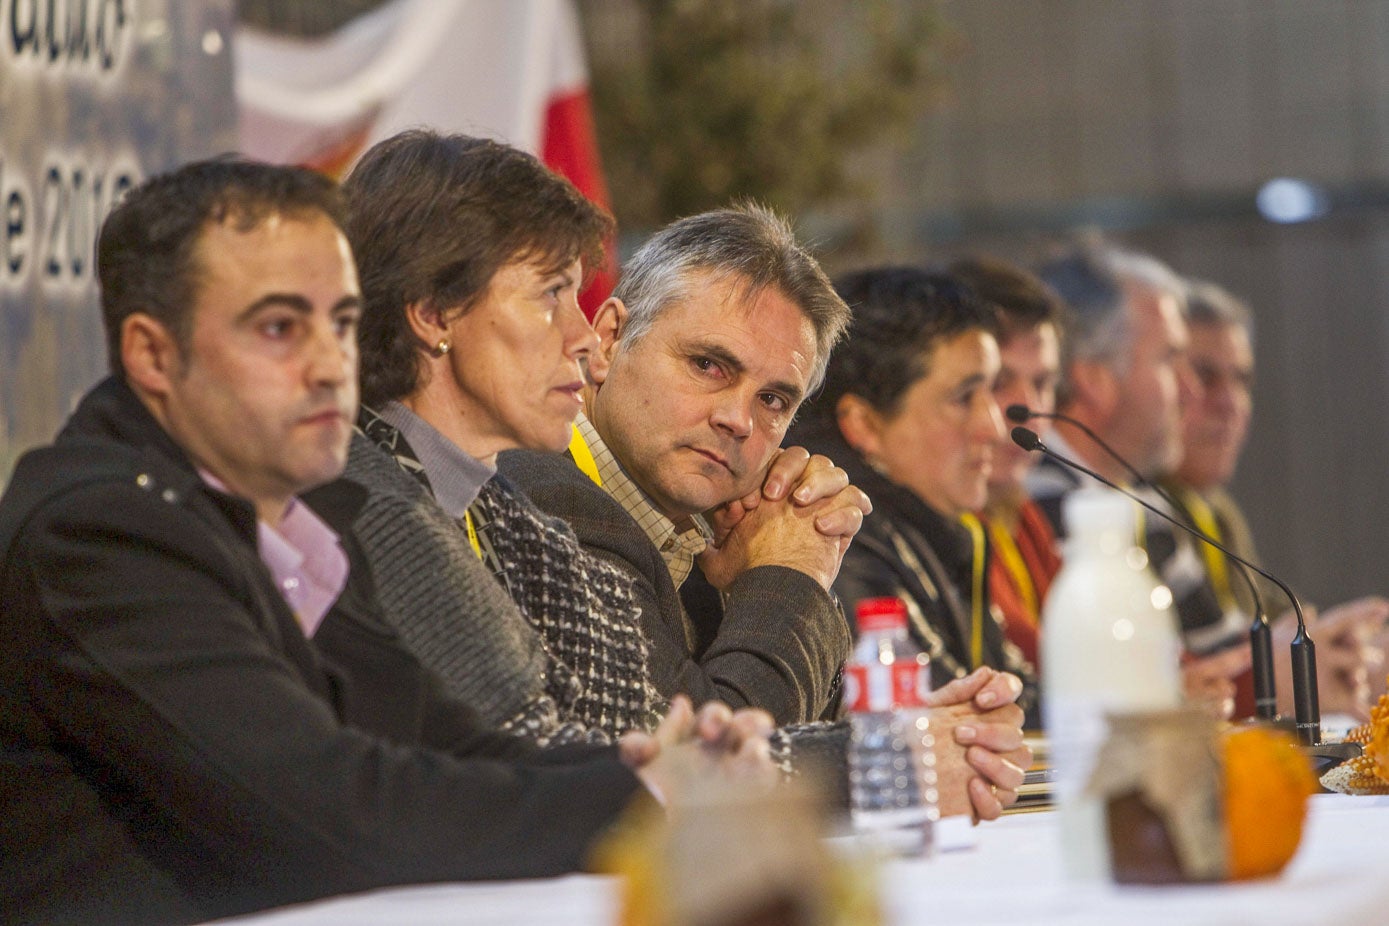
[(1216, 567), (976, 604), (472, 533), (583, 457), (1140, 522), (1006, 549)]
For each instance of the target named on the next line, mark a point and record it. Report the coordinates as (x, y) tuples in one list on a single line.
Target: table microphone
[(1260, 634), (1304, 658)]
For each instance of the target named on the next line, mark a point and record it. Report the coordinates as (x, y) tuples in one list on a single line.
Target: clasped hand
[(803, 517), (688, 745)]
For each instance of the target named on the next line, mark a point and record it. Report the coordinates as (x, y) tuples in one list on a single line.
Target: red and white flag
[(510, 70)]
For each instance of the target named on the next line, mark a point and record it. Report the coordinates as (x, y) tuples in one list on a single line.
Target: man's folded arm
[(779, 642)]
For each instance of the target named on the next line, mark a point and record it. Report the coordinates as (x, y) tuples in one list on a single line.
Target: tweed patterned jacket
[(538, 636)]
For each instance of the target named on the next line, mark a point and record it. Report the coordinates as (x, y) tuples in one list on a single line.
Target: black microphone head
[(1026, 438), (1018, 414)]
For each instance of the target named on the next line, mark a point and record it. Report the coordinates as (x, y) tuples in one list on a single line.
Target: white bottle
[(1110, 643)]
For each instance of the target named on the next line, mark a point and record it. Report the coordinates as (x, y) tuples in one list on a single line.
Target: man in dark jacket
[(721, 326), (686, 415), (200, 713)]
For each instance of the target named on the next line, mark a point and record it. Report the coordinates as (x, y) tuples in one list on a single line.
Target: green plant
[(705, 101)]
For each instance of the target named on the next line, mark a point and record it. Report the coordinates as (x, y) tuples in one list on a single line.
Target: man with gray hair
[(720, 327), (1124, 372), (1125, 376), (1214, 431)]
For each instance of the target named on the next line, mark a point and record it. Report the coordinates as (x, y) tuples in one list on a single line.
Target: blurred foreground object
[(1110, 647), (1187, 800), (1268, 780), (727, 856)]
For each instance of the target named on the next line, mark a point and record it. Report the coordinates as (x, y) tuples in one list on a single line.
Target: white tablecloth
[(1013, 876), (1340, 875)]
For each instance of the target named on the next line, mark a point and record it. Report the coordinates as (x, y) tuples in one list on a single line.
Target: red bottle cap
[(880, 614)]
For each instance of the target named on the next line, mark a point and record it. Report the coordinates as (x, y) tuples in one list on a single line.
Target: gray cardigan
[(450, 610), (541, 637)]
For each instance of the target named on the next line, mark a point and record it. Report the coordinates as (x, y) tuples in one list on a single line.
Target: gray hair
[(748, 242), (1094, 280), (1209, 304)]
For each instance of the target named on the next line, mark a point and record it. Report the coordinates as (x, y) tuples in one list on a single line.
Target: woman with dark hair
[(471, 255), (908, 411)]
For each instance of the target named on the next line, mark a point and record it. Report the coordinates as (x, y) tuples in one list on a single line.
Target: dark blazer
[(173, 749), (776, 641)]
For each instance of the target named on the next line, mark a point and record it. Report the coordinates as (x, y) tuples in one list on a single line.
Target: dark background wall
[(1158, 121), (94, 97)]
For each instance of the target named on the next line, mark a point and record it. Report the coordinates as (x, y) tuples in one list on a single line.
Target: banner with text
[(95, 95)]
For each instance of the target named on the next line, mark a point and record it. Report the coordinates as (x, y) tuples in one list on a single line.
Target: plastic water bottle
[(1110, 644), (892, 774)]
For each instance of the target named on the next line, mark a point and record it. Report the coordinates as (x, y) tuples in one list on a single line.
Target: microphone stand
[(1260, 634), (1304, 659)]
